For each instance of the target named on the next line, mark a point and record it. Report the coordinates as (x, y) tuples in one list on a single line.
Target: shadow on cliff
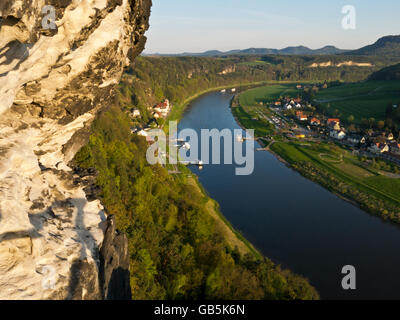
[(111, 280), (83, 284), (106, 278)]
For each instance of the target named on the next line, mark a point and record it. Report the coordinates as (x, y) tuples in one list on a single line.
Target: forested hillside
[(385, 46), (389, 73), (154, 78), (175, 249)]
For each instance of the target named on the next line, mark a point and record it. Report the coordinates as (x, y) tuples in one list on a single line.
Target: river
[(296, 222)]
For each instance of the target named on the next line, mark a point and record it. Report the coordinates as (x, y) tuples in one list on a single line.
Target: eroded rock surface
[(53, 81)]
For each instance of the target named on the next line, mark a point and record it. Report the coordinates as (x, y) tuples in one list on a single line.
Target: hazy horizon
[(190, 26)]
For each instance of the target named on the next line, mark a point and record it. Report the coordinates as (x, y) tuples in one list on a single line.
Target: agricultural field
[(253, 118), (268, 94), (344, 165), (361, 100)]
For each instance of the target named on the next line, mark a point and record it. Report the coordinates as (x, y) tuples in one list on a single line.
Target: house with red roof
[(301, 116), (163, 108), (315, 122)]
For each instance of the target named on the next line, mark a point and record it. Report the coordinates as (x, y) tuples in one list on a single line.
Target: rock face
[(56, 72)]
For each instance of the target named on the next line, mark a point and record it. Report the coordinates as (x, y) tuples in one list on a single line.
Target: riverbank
[(233, 237), (179, 109), (369, 191)]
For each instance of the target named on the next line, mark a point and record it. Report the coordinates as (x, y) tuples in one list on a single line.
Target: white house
[(163, 107), (337, 134), (143, 133), (135, 113), (288, 107), (356, 139), (379, 148), (157, 115)]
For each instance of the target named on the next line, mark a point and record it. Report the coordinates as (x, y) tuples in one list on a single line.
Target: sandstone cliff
[(59, 66)]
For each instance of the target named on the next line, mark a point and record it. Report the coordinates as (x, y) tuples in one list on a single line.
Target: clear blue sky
[(200, 25)]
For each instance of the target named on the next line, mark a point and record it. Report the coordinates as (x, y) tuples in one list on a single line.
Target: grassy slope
[(362, 100), (267, 94)]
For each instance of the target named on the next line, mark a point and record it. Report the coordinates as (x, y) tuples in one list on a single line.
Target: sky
[(178, 26)]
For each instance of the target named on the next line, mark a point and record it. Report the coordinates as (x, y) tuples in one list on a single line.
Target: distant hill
[(389, 73), (386, 46), (299, 50)]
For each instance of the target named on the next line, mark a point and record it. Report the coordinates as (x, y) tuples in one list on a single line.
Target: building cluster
[(376, 143), (162, 109), (289, 103)]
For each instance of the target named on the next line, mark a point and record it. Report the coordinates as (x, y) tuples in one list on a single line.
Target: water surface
[(296, 222)]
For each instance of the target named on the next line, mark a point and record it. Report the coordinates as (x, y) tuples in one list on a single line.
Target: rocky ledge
[(59, 66)]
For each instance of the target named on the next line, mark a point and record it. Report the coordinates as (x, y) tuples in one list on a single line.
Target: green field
[(350, 170), (268, 94), (362, 100), (261, 126)]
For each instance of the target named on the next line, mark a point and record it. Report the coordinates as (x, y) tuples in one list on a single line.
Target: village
[(296, 118), (159, 113)]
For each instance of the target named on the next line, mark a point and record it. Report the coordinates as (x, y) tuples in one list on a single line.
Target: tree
[(371, 122), (380, 124)]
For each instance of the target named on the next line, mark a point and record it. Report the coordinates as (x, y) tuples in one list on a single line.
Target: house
[(157, 115), (143, 133), (390, 136), (379, 148), (337, 134), (299, 86), (288, 107), (315, 122), (233, 90), (301, 116), (297, 100), (333, 122), (278, 103), (395, 147), (356, 139), (163, 107), (135, 113), (298, 106)]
